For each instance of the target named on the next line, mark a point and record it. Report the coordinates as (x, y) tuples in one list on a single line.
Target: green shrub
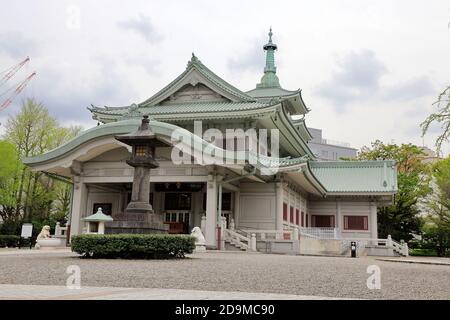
[(9, 241), (133, 246), (423, 252)]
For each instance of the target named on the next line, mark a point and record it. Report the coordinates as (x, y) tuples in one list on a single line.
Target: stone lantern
[(96, 222), (143, 142)]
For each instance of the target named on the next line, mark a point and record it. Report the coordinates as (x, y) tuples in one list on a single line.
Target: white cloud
[(142, 26)]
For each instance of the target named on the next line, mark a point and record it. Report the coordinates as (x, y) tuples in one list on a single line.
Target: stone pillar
[(338, 221), (237, 209), (253, 242), (211, 212), (79, 201), (373, 223), (203, 224), (101, 227), (279, 206), (232, 225), (295, 234)]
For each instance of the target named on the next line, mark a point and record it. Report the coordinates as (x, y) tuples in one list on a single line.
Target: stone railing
[(401, 248), (290, 234), (320, 233), (60, 232), (240, 241)]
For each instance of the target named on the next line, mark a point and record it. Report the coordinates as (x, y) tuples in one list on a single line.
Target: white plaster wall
[(257, 206)]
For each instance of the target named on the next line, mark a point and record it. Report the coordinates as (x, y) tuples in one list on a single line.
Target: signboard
[(27, 230)]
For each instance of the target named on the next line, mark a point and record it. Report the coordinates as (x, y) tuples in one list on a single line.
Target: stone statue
[(200, 242), (45, 233)]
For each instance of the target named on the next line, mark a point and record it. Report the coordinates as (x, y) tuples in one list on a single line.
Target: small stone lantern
[(96, 222), (144, 141)]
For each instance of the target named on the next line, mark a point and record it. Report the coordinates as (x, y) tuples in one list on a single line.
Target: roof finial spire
[(270, 78)]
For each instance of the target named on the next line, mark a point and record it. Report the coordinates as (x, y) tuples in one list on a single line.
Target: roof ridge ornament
[(270, 79), (193, 60)]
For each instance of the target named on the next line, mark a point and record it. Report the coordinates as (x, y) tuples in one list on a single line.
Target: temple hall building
[(233, 203)]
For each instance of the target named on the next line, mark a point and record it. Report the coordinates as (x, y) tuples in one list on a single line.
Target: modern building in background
[(326, 149)]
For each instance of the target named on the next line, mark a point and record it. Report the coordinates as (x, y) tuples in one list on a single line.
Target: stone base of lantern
[(139, 208), (137, 223)]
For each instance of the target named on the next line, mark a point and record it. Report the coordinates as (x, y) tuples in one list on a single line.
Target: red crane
[(9, 73), (18, 89)]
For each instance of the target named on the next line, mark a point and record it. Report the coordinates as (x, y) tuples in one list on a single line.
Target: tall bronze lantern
[(143, 141)]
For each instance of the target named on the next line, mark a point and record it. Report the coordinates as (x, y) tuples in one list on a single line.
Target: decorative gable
[(197, 84), (195, 93)]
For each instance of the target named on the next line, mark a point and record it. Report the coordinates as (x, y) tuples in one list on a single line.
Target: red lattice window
[(322, 221), (291, 215), (356, 222), (297, 216), (284, 211)]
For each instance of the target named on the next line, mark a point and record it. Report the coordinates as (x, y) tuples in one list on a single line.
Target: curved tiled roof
[(161, 128), (356, 176), (197, 107)]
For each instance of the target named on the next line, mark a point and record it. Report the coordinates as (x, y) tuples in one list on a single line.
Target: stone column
[(237, 212), (79, 201), (279, 206), (211, 212), (338, 221), (373, 223)]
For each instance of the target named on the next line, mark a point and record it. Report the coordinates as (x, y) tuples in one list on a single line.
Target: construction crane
[(18, 89), (10, 72)]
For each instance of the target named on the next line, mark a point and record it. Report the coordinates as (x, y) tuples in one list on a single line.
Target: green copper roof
[(270, 92), (269, 79), (98, 217), (195, 65), (159, 128), (185, 111), (356, 176)]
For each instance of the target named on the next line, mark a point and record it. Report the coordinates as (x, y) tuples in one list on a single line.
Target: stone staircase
[(236, 241)]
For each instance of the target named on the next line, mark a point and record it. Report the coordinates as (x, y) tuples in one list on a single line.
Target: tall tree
[(34, 131), (9, 166), (441, 116), (401, 219), (436, 230)]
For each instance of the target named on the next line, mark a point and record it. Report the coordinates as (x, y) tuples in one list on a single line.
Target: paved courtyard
[(239, 273)]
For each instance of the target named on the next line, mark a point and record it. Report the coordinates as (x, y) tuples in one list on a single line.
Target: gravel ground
[(301, 275)]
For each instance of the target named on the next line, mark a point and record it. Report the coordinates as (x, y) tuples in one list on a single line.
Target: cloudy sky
[(367, 69)]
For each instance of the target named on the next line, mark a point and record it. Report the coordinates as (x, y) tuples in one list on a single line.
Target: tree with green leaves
[(401, 220), (31, 132), (9, 166), (441, 116), (436, 229)]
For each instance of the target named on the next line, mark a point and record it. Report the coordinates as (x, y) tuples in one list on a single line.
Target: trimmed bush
[(9, 241), (133, 246)]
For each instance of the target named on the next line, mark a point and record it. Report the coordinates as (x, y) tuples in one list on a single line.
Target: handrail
[(396, 246), (236, 235), (236, 238), (262, 233)]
